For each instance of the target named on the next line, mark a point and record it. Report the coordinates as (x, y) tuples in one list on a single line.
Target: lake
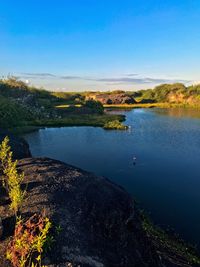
[(165, 178)]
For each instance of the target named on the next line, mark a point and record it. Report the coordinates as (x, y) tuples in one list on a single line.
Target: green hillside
[(170, 93), (22, 105)]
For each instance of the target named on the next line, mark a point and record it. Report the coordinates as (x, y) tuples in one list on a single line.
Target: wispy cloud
[(144, 80), (37, 75), (126, 79), (154, 80), (43, 75), (71, 77), (132, 74)]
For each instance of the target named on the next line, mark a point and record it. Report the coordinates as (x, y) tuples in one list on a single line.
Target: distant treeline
[(176, 93), (20, 103), (173, 93)]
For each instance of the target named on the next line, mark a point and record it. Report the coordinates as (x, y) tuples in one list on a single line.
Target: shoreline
[(137, 105), (93, 120), (70, 121)]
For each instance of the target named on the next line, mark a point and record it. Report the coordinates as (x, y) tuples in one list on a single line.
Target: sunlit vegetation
[(139, 105), (70, 98), (23, 108), (115, 125), (171, 93), (81, 120), (30, 239), (68, 106), (129, 106), (30, 236), (12, 179)]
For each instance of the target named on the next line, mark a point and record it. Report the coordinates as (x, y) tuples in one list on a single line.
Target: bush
[(29, 241), (13, 88), (115, 125), (12, 114), (95, 106), (12, 179), (160, 92)]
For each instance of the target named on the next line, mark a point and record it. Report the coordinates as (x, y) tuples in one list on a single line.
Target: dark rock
[(1, 228), (120, 99), (114, 98), (99, 224), (18, 145)]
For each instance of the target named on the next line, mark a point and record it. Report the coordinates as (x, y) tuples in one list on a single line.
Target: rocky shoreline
[(98, 220)]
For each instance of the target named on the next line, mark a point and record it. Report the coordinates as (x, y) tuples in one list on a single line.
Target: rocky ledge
[(100, 226), (19, 146)]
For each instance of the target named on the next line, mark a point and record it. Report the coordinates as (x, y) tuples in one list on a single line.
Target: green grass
[(22, 117), (132, 106), (70, 120), (146, 105), (80, 120), (64, 106), (128, 106)]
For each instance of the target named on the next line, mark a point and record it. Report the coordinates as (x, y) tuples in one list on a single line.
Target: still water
[(166, 177)]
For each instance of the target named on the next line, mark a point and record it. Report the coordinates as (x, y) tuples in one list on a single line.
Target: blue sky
[(100, 45)]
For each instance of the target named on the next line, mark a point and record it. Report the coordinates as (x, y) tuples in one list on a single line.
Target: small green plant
[(29, 241), (5, 153), (11, 178)]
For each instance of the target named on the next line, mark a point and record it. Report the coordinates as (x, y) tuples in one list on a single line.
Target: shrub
[(5, 152), (13, 114), (95, 106), (115, 125), (30, 239), (11, 178)]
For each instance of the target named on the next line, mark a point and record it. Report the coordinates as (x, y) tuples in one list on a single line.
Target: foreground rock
[(99, 223), (19, 146)]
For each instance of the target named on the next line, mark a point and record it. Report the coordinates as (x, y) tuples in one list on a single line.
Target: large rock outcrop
[(99, 224), (113, 98)]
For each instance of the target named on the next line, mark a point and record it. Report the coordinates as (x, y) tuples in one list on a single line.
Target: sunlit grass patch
[(68, 106), (115, 125), (140, 105)]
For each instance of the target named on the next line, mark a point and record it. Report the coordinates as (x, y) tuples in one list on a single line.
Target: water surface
[(166, 176)]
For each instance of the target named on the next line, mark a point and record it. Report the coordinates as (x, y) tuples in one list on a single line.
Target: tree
[(95, 106)]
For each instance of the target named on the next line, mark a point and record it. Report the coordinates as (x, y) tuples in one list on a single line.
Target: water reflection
[(179, 112)]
